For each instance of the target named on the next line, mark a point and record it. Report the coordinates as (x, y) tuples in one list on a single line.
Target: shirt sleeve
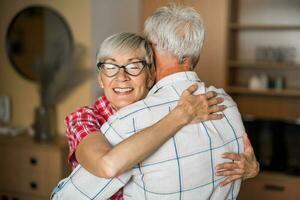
[(79, 124), (83, 185)]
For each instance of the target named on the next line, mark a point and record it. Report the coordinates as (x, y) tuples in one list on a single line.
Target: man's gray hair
[(178, 30), (125, 43)]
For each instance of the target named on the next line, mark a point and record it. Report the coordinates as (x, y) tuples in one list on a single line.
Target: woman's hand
[(197, 108), (243, 165)]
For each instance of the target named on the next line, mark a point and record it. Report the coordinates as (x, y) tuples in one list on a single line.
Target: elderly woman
[(126, 73)]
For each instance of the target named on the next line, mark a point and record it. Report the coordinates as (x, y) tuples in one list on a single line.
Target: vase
[(44, 124)]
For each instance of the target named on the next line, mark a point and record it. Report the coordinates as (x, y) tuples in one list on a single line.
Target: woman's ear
[(100, 80), (151, 79)]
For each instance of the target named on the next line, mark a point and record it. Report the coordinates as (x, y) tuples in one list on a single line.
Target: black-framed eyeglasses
[(133, 68)]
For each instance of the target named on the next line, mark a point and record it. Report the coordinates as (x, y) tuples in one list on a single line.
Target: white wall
[(109, 17)]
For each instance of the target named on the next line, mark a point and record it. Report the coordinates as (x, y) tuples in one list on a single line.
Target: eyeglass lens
[(133, 69)]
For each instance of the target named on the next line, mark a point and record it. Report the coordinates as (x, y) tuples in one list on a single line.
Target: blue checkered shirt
[(183, 168)]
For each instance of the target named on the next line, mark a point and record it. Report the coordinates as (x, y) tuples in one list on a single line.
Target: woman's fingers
[(190, 90), (247, 145), (227, 166), (215, 116), (243, 165), (229, 179), (210, 94), (214, 101), (232, 156), (201, 107), (230, 173), (216, 108)]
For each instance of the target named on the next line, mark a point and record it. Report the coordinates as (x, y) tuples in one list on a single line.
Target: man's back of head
[(176, 30)]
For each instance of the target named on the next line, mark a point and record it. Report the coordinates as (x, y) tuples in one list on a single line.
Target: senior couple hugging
[(158, 132)]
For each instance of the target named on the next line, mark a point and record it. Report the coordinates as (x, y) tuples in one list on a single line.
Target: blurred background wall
[(90, 22), (24, 93)]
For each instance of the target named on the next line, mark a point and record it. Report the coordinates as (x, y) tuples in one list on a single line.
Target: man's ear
[(100, 80), (187, 63)]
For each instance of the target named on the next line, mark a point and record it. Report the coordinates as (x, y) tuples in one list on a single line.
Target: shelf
[(256, 23), (266, 92), (235, 26), (263, 65)]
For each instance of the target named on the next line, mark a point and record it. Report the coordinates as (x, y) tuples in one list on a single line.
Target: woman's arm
[(96, 155), (243, 165)]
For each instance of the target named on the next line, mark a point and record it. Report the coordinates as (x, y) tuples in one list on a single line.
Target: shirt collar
[(168, 80)]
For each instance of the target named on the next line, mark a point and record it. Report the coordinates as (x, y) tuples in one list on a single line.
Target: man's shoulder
[(228, 101)]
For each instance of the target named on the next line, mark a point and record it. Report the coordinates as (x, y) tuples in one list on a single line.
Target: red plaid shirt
[(84, 121)]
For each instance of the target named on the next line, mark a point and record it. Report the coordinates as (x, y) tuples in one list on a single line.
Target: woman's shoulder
[(100, 108)]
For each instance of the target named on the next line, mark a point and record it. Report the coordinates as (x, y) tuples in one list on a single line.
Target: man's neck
[(162, 72), (167, 64)]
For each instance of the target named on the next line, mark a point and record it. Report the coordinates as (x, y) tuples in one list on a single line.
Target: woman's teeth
[(122, 89)]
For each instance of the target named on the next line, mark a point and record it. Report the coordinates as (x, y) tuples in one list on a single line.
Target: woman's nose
[(122, 75)]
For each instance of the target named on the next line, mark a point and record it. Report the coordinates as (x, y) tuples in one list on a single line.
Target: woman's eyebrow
[(110, 59), (131, 59)]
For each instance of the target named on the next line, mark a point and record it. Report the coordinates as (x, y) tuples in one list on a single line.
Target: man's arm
[(101, 160), (96, 155), (95, 152), (83, 185)]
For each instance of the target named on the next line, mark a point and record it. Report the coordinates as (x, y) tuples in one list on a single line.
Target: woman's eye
[(132, 66), (135, 66), (109, 67)]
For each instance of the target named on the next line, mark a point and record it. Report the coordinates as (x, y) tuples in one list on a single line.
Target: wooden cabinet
[(263, 41), (271, 186), (30, 170)]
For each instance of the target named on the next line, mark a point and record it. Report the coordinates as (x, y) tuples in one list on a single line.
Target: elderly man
[(184, 167)]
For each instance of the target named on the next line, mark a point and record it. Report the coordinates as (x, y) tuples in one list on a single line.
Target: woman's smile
[(123, 90)]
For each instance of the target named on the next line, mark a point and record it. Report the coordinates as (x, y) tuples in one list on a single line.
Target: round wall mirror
[(38, 36)]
